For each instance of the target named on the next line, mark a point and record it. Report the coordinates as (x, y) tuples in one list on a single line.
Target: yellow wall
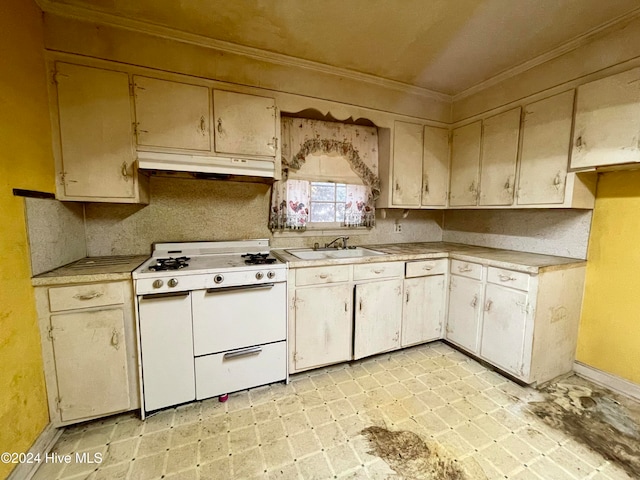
[(610, 327), (25, 162)]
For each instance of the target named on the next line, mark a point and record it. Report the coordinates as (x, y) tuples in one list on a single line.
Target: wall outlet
[(397, 227)]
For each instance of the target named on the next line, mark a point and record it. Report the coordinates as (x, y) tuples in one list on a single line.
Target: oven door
[(228, 318)]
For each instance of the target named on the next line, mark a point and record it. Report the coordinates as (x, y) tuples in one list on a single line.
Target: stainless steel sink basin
[(311, 254)]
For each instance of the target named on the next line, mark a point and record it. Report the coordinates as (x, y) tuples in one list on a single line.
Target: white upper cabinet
[(172, 114), (607, 122), (500, 135), (465, 164), (407, 164), (435, 166), (244, 124), (546, 137), (95, 152)]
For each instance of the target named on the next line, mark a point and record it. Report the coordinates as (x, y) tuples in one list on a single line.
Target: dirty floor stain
[(598, 418), (413, 458)]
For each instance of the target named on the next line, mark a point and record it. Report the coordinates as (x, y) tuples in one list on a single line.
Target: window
[(327, 202)]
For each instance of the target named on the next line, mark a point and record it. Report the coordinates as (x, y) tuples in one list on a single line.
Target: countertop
[(91, 269), (493, 257)]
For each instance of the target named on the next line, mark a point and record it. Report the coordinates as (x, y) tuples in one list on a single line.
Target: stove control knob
[(173, 282), (218, 279), (157, 283), (271, 274), (259, 275)]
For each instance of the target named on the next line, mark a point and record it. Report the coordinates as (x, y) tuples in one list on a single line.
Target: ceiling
[(446, 46)]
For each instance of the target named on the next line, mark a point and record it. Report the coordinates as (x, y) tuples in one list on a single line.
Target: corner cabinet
[(465, 165), (94, 148), (89, 350), (526, 324)]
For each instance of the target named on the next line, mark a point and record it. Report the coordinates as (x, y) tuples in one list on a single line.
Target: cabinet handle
[(115, 339), (507, 185), (579, 141), (427, 267), (397, 187), (474, 302), (407, 300), (360, 305), (426, 185), (466, 268), (346, 307), (506, 278), (219, 125), (557, 181), (202, 125), (323, 275), (487, 306), (125, 173), (88, 296), (378, 271), (472, 187)]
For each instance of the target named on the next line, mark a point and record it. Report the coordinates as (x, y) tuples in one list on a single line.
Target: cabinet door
[(91, 363), (323, 325), (423, 310), (378, 317), (465, 297), (546, 135), (96, 133), (500, 135), (435, 166), (503, 328), (245, 124), (172, 114), (607, 128), (407, 164), (465, 164)]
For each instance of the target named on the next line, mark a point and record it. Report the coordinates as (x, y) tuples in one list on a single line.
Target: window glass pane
[(340, 212), (323, 212), (341, 192), (323, 192)]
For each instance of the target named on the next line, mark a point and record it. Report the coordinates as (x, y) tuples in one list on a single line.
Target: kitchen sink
[(333, 253)]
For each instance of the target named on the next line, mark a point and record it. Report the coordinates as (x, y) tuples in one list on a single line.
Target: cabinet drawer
[(378, 270), (314, 275), (423, 268), (83, 296), (466, 269), (240, 369), (508, 278)]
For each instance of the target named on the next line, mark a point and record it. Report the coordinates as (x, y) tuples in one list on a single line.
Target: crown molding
[(566, 47), (86, 14)]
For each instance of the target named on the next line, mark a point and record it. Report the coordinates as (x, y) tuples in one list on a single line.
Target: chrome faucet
[(344, 242)]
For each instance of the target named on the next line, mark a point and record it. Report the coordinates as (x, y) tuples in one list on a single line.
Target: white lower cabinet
[(323, 331), (378, 317), (89, 350), (463, 322), (424, 307)]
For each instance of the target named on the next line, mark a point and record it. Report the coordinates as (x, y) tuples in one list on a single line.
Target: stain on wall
[(25, 162), (610, 323)]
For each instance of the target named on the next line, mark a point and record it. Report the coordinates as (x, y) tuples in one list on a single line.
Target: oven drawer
[(231, 318), (508, 278), (423, 268), (240, 369), (84, 296)]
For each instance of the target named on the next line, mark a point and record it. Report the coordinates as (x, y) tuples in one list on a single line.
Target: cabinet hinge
[(50, 333), (58, 404), (295, 356), (131, 89)]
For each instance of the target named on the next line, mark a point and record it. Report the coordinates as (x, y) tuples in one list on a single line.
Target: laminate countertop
[(91, 269), (493, 257)]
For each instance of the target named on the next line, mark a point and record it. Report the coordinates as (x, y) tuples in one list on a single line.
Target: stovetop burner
[(258, 259), (169, 264)]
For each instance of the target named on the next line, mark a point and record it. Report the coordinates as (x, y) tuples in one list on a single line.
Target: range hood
[(206, 166)]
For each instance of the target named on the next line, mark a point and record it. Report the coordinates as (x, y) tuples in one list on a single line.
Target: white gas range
[(211, 320)]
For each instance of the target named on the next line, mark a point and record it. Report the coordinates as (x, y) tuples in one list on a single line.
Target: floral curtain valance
[(314, 148)]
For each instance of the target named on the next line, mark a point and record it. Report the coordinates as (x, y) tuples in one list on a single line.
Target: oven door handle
[(243, 353), (152, 296), (262, 286)]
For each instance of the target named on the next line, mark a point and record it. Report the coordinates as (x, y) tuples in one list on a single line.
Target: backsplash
[(552, 232), (56, 233), (188, 210)]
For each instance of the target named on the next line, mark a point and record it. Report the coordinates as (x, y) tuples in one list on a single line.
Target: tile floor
[(312, 428)]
